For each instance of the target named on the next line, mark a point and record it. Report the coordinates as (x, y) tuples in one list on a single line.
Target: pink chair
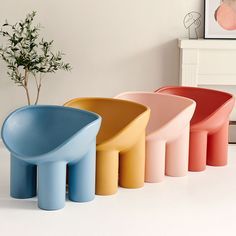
[(167, 134), (209, 125)]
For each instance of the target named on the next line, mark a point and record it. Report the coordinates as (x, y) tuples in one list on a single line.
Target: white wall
[(113, 46)]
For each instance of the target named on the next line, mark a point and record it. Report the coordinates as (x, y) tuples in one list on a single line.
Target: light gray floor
[(198, 204)]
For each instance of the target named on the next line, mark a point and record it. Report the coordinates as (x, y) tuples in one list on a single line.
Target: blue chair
[(50, 139)]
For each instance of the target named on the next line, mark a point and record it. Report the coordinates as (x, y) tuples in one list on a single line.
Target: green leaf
[(25, 50)]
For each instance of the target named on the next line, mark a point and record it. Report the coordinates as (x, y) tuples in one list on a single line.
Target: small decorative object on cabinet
[(220, 19), (210, 64), (167, 135), (28, 57), (209, 125), (192, 22), (51, 138), (120, 142)]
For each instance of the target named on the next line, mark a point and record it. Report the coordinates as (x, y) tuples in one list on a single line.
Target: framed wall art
[(220, 19)]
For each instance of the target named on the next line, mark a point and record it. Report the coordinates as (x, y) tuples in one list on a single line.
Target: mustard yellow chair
[(120, 142)]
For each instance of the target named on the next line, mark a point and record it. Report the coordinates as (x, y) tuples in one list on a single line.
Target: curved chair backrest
[(164, 108), (36, 130), (208, 100), (116, 114)]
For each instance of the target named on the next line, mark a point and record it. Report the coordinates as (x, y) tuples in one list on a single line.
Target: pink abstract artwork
[(225, 15), (220, 19)]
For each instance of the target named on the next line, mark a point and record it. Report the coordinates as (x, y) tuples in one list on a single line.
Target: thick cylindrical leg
[(132, 165), (217, 147), (23, 179), (177, 155), (82, 177), (197, 151), (155, 161), (107, 165), (52, 185)]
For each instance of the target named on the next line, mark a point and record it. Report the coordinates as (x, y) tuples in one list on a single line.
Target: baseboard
[(232, 132)]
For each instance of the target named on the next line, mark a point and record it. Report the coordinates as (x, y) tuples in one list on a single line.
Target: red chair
[(209, 125)]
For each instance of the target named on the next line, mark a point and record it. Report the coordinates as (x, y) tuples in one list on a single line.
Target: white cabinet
[(212, 64)]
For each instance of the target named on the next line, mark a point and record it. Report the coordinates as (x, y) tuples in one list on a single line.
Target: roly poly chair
[(120, 142), (49, 138), (209, 125), (167, 136)]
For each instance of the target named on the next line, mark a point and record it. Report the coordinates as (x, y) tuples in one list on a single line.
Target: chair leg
[(23, 179), (107, 164), (155, 161), (197, 151), (217, 147), (52, 185), (177, 155), (82, 177), (132, 165)]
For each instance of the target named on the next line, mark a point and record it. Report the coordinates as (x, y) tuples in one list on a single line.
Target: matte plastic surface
[(120, 142), (167, 136), (47, 139), (209, 125)]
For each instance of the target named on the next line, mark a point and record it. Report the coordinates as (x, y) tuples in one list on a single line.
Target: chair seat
[(49, 138), (209, 125), (167, 136), (120, 142)]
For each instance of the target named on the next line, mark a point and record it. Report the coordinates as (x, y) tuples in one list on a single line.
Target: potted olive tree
[(27, 56)]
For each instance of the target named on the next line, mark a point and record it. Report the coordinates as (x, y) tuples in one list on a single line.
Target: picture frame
[(220, 19)]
